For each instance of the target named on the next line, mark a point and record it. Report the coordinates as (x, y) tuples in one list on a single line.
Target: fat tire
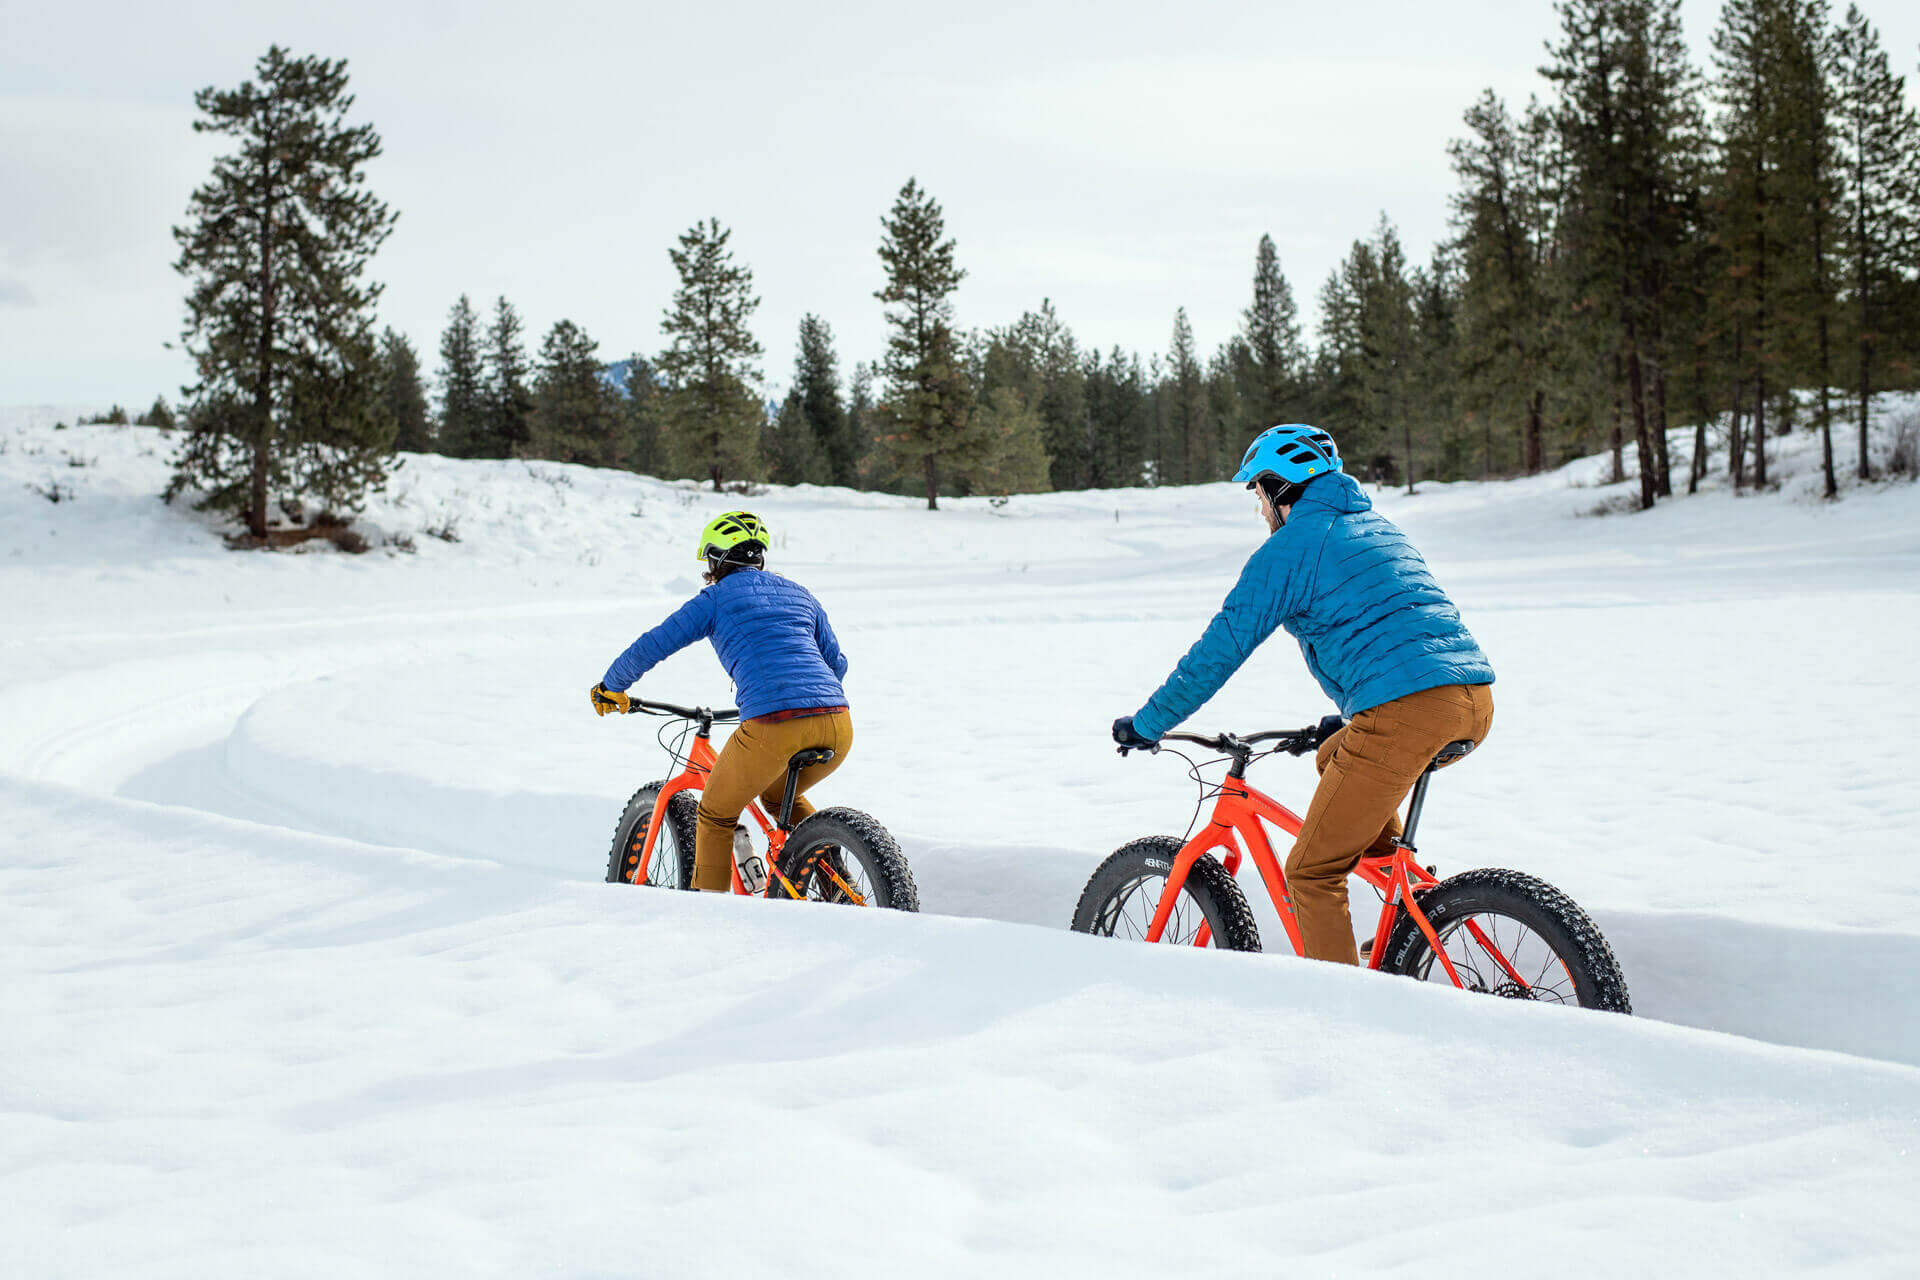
[(683, 816), (1209, 884), (862, 836), (1554, 917)]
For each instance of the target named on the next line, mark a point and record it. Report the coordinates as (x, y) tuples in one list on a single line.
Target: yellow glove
[(605, 700)]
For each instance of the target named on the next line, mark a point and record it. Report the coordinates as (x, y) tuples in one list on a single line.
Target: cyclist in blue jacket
[(1381, 637), (773, 638)]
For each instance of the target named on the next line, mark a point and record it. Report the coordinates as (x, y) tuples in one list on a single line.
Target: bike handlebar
[(685, 713), (1293, 741)]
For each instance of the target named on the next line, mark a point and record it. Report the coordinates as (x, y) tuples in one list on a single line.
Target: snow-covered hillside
[(308, 968)]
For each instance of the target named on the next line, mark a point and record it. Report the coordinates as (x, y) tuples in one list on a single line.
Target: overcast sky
[(1122, 158)]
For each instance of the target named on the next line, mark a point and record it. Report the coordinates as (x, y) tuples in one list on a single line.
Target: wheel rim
[(664, 871), (831, 872), (1546, 977), (1128, 913)]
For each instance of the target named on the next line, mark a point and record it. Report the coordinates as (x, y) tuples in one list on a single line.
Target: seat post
[(1414, 807), (786, 804), (800, 760)]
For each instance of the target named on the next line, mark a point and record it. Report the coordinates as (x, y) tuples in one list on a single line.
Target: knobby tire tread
[(682, 821), (1557, 919), (1209, 884), (857, 832)]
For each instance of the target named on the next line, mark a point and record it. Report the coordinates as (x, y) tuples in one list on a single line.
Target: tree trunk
[(1826, 420), (1697, 466), (263, 389), (1866, 390), (1820, 285), (1663, 475), (1760, 429), (1407, 426), (933, 486), (1534, 446), (1637, 389), (1619, 468)]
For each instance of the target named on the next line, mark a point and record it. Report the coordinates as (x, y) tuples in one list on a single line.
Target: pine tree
[(816, 380), (1879, 214), (927, 411), (405, 399), (508, 403), (1010, 384), (1190, 456), (1275, 358), (1119, 413), (576, 414), (279, 318), (1764, 198), (463, 410), (1503, 228), (792, 453), (711, 416), (643, 407), (1627, 129)]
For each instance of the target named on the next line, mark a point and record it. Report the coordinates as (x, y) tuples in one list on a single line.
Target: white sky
[(1121, 158)]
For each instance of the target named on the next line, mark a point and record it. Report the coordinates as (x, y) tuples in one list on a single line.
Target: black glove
[(1129, 740), (1329, 725)]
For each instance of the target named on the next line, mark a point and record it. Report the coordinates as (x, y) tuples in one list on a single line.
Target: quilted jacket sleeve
[(1272, 587), (829, 643), (690, 622)]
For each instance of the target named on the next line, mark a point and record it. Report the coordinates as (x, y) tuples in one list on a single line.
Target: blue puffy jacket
[(1345, 582), (772, 637)]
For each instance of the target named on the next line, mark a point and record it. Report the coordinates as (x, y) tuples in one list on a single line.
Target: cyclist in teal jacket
[(1377, 632)]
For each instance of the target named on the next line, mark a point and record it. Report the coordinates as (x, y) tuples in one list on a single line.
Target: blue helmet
[(1292, 453)]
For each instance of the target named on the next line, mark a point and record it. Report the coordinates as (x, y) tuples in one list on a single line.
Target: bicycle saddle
[(1451, 752), (811, 756)]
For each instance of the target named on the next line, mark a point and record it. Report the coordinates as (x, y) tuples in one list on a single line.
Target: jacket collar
[(1336, 491)]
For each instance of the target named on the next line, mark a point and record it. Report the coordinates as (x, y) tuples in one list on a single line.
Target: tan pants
[(1366, 770), (754, 763)]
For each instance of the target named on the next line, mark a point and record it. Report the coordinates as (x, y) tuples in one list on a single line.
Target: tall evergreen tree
[(1191, 456), (1503, 229), (279, 316), (816, 379), (793, 453), (1119, 414), (1879, 215), (643, 408), (1368, 344), (405, 399), (508, 401), (1271, 329), (1626, 123), (463, 406), (928, 407), (576, 413), (712, 416)]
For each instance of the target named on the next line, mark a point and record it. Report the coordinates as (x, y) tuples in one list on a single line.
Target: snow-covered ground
[(306, 967)]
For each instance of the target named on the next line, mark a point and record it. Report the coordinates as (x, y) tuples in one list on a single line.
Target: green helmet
[(737, 535)]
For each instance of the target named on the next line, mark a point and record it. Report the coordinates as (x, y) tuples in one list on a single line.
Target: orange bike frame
[(1239, 810), (700, 762)]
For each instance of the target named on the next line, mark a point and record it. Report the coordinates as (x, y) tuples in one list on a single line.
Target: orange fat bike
[(834, 855), (1489, 930)]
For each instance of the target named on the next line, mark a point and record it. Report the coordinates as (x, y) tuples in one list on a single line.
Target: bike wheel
[(843, 855), (1542, 934), (672, 864), (1121, 898)]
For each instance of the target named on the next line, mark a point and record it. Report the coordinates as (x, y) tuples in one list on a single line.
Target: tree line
[(1644, 250)]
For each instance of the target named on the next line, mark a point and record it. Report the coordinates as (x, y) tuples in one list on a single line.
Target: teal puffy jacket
[(1345, 582)]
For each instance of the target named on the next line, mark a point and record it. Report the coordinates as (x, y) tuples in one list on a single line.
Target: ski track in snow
[(311, 969)]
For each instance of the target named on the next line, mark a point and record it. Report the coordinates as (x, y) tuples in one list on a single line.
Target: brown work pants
[(754, 763), (1366, 770)]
